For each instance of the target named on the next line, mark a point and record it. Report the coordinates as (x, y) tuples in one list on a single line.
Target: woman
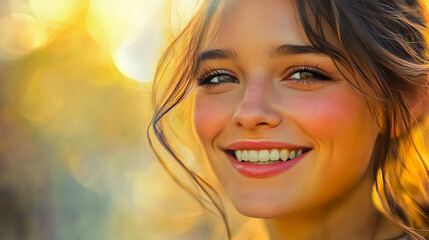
[(303, 107)]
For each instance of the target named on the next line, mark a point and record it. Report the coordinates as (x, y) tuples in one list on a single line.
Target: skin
[(327, 195)]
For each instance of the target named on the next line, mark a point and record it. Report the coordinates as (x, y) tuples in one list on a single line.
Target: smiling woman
[(303, 109)]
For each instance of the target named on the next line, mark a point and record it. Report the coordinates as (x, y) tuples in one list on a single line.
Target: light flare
[(136, 58), (54, 12), (20, 34)]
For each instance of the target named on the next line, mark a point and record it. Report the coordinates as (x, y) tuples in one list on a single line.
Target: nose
[(257, 107)]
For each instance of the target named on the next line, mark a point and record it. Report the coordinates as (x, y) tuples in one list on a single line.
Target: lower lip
[(253, 170)]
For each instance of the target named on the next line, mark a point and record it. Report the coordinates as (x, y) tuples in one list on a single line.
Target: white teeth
[(238, 155), (253, 155), (264, 155), (292, 155), (263, 163), (274, 155), (284, 154), (244, 156)]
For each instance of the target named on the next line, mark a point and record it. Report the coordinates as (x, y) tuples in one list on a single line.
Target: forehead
[(257, 24)]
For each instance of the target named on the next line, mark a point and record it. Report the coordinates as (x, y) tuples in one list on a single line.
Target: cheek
[(342, 130), (209, 117), (330, 114), (343, 133)]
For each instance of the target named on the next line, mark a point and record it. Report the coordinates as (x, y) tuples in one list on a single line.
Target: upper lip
[(260, 145)]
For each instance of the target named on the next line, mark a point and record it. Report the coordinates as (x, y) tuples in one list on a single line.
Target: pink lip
[(262, 145), (263, 171)]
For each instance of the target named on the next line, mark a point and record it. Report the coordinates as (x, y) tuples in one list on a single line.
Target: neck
[(350, 216)]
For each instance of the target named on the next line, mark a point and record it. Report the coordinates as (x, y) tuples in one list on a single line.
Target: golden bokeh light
[(74, 106), (75, 92), (130, 31), (55, 13), (41, 98), (20, 34), (135, 56)]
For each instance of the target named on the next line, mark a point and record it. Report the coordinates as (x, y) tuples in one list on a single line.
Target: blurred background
[(75, 82), (75, 78)]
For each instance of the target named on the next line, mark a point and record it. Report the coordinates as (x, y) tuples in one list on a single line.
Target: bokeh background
[(75, 82), (75, 78)]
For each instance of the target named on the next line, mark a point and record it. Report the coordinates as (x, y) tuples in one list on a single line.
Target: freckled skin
[(328, 117)]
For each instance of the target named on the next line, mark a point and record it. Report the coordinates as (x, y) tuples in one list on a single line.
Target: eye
[(306, 77), (215, 78), (219, 79), (306, 74)]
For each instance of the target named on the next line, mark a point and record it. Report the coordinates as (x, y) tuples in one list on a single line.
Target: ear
[(419, 104)]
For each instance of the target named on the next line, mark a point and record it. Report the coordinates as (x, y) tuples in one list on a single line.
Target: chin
[(259, 210)]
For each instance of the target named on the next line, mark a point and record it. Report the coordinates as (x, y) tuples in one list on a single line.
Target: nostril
[(257, 124), (257, 118)]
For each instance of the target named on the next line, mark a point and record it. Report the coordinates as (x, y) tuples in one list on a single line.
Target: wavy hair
[(383, 44)]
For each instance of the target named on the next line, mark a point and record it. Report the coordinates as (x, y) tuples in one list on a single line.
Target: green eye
[(305, 75), (220, 79), (216, 78)]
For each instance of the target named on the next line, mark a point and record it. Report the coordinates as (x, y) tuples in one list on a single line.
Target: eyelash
[(320, 75), (209, 74)]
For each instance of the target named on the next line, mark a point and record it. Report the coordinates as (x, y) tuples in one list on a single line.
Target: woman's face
[(266, 93)]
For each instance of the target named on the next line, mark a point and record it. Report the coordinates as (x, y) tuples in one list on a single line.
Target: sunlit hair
[(383, 45)]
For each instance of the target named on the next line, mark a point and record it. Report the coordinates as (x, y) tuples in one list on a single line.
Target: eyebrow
[(290, 49), (217, 54), (282, 50)]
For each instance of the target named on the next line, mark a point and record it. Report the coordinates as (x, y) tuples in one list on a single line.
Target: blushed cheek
[(325, 116), (208, 118)]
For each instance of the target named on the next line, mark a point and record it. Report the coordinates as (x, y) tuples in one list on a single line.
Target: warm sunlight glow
[(54, 12), (75, 161), (20, 34), (131, 31), (75, 102), (135, 57)]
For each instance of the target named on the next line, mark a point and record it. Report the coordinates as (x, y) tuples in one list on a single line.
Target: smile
[(264, 159), (267, 156)]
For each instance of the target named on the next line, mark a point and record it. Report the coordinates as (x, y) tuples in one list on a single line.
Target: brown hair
[(384, 44)]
